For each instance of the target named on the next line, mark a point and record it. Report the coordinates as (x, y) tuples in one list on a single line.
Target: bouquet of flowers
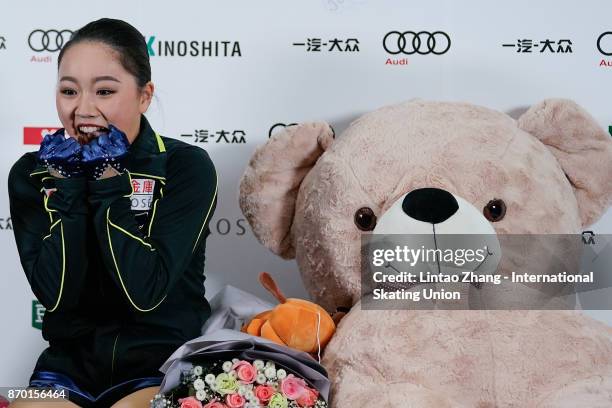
[(225, 368), (239, 384)]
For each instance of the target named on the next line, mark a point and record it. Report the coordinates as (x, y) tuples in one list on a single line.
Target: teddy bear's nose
[(431, 205)]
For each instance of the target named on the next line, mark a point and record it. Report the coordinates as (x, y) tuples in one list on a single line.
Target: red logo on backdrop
[(34, 135)]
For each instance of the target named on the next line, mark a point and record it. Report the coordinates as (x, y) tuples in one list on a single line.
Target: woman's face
[(94, 91)]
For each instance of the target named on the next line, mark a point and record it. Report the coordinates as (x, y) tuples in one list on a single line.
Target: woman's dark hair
[(126, 40)]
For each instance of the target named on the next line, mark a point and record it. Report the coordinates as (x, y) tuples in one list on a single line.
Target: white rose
[(258, 364), (198, 384), (197, 370), (260, 379), (280, 374), (201, 395), (270, 364), (210, 379), (227, 366), (270, 372)]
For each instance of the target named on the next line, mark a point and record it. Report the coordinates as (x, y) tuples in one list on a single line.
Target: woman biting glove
[(111, 224)]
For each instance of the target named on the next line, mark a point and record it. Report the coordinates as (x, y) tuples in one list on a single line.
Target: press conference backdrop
[(228, 74)]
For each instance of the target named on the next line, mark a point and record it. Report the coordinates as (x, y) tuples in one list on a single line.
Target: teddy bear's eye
[(365, 219), (495, 210)]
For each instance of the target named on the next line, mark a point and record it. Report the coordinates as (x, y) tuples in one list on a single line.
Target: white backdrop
[(265, 79)]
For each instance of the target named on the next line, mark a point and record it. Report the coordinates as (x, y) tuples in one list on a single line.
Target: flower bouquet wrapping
[(230, 369)]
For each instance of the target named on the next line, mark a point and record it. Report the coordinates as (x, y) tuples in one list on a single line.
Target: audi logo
[(599, 43), (422, 42), (50, 40)]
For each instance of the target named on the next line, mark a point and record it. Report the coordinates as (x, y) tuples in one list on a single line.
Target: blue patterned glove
[(109, 149), (61, 154)]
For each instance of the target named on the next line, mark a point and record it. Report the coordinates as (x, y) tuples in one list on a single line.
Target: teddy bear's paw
[(591, 392)]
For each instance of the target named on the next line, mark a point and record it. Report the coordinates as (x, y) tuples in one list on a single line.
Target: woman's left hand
[(103, 157)]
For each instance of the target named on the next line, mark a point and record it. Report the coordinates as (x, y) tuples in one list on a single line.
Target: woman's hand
[(103, 157), (61, 155)]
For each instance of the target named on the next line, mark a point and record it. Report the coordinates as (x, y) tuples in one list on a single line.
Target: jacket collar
[(146, 156)]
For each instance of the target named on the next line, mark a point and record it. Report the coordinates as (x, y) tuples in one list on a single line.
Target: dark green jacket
[(123, 286)]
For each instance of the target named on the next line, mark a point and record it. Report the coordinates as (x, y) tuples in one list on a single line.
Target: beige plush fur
[(552, 167)]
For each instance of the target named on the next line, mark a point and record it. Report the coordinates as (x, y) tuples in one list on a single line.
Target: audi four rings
[(422, 42), (50, 40)]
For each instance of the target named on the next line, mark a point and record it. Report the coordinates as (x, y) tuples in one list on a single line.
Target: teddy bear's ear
[(271, 181), (581, 146)]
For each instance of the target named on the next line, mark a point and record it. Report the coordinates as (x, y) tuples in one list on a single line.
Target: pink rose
[(234, 401), (245, 371), (214, 404), (190, 402), (264, 392), (309, 398), (293, 387)]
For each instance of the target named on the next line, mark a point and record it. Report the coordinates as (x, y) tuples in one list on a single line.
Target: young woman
[(111, 236)]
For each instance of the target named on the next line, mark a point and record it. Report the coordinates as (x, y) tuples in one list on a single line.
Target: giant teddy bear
[(310, 195)]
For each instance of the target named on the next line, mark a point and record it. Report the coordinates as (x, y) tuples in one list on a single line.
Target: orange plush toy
[(295, 323)]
